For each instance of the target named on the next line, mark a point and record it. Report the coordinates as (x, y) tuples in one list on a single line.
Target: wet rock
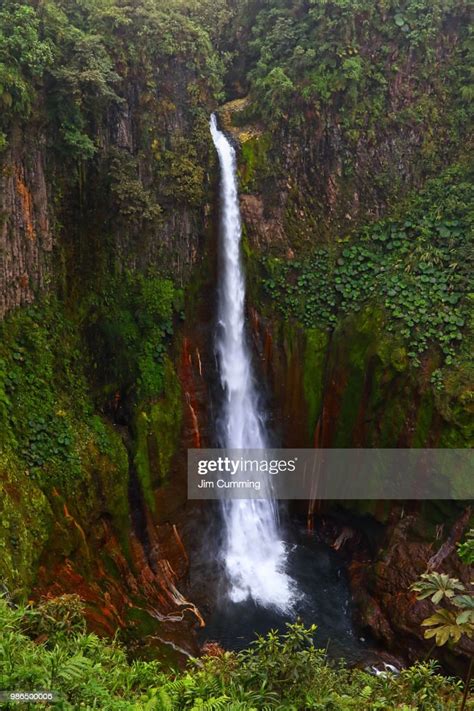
[(381, 588)]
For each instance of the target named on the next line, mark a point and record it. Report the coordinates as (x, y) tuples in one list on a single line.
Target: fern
[(277, 674), (213, 704), (161, 702), (74, 669)]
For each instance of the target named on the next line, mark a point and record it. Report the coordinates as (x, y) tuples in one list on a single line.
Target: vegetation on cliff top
[(320, 57), (46, 646), (118, 93), (76, 57)]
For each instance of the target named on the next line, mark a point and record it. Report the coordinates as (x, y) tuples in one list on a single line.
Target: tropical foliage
[(73, 55), (466, 549), (316, 57), (45, 646), (417, 264), (454, 616)]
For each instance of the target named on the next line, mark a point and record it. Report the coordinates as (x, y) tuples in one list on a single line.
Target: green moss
[(26, 520), (57, 455), (142, 458), (130, 328), (354, 343), (166, 419), (424, 418), (313, 373), (201, 281), (254, 163), (392, 420), (347, 416), (158, 427), (392, 353), (108, 474), (454, 400), (142, 623)]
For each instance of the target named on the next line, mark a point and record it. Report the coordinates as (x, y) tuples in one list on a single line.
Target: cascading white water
[(254, 553)]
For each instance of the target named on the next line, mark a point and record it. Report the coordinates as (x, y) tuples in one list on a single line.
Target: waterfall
[(254, 553)]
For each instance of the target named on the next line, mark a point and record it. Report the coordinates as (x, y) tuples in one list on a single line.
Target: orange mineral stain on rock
[(71, 518), (187, 380), (26, 203), (116, 589)]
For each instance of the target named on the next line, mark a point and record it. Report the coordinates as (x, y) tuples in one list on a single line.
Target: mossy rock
[(157, 429), (26, 521), (254, 161), (315, 355)]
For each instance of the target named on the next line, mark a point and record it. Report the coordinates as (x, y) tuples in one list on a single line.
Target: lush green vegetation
[(314, 57), (53, 443), (456, 617), (46, 403), (129, 325), (78, 57), (78, 73), (453, 617), (58, 372), (417, 263), (117, 93), (44, 394), (46, 646), (466, 549), (320, 57)]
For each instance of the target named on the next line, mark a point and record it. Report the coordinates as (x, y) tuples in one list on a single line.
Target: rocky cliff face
[(347, 111), (354, 388), (26, 232), (118, 211), (120, 215), (351, 387), (102, 387)]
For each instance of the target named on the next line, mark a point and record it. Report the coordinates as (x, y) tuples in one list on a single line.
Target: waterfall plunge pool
[(322, 597)]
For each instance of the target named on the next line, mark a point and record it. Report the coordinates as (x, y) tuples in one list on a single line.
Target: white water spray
[(254, 553)]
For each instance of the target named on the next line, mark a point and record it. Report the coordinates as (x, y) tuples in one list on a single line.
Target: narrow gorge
[(240, 225)]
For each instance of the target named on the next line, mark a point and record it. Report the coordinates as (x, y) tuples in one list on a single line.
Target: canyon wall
[(107, 245), (106, 179), (140, 203)]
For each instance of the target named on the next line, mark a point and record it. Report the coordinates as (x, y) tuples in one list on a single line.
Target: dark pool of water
[(323, 599)]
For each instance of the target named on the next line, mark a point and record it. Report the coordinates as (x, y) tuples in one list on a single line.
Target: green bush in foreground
[(46, 647)]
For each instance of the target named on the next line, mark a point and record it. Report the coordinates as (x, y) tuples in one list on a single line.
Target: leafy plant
[(437, 586), (276, 672), (416, 263), (445, 627), (466, 549), (454, 619)]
